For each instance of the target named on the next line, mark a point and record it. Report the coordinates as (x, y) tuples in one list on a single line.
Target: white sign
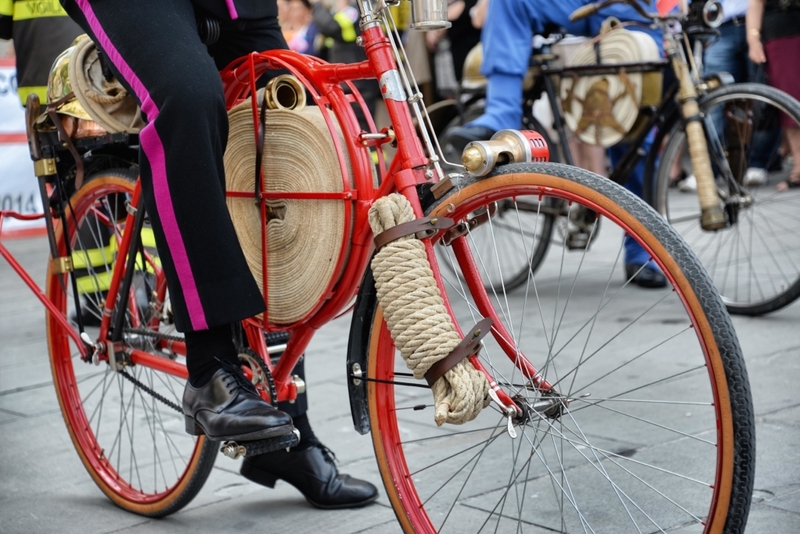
[(19, 189)]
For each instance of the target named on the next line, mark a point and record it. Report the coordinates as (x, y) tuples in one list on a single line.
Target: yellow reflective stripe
[(7, 7), (401, 14), (37, 9), (40, 90), (148, 238), (96, 257), (81, 259), (95, 282), (347, 26), (105, 256)]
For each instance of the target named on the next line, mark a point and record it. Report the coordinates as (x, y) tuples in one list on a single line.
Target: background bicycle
[(753, 261), (606, 409)]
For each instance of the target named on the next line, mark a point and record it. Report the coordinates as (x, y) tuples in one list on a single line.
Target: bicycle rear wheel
[(755, 260), (126, 425), (648, 423)]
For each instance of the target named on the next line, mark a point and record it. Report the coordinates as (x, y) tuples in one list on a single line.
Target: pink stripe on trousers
[(154, 150), (232, 9)]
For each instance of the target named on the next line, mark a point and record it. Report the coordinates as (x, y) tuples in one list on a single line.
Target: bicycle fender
[(358, 351)]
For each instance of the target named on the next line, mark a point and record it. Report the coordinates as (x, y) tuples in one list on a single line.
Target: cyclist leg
[(639, 268), (309, 465), (155, 51)]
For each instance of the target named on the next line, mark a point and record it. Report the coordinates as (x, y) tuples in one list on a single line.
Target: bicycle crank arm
[(235, 450)]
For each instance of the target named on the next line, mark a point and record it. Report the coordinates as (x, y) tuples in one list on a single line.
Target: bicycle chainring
[(260, 373)]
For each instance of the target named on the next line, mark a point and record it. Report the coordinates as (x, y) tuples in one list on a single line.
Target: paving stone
[(45, 488)]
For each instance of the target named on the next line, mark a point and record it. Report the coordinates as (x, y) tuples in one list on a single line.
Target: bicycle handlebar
[(590, 9), (584, 11)]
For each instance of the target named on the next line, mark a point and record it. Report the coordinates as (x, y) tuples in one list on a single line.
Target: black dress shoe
[(460, 136), (646, 277), (230, 408), (312, 471)]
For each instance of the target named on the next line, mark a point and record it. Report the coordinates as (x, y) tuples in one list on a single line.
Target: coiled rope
[(417, 318)]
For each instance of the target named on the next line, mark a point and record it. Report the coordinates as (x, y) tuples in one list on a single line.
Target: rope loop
[(414, 310)]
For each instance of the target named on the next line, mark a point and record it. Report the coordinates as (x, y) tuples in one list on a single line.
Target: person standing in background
[(728, 54), (40, 30), (773, 37), (305, 32), (339, 26)]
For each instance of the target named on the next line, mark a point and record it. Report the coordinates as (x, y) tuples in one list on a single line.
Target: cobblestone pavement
[(44, 487)]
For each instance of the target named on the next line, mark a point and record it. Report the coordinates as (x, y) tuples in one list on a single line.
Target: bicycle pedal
[(235, 450), (578, 241)]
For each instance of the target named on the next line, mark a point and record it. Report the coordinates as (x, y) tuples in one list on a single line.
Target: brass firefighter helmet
[(59, 85), (105, 101), (473, 79)]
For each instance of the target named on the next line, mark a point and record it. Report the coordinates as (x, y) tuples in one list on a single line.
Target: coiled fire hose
[(414, 310)]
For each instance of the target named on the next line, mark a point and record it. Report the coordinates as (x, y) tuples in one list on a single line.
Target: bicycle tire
[(518, 263), (755, 261), (649, 464), (160, 468)]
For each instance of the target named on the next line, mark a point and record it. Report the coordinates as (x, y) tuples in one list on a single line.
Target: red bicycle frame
[(409, 168)]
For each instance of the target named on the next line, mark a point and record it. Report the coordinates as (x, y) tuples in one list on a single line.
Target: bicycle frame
[(414, 166), (656, 115)]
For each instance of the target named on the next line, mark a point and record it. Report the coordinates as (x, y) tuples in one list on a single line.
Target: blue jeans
[(729, 54), (634, 253)]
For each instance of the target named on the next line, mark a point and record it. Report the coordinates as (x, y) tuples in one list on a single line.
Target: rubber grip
[(583, 12)]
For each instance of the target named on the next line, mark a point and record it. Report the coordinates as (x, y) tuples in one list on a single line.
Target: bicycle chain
[(270, 383), (151, 333), (150, 392)]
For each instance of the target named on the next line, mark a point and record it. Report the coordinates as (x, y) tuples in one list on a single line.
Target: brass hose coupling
[(505, 146)]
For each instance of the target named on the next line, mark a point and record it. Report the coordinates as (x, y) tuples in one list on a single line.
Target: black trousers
[(155, 50)]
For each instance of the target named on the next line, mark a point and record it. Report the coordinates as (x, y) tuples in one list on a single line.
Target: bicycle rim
[(127, 426), (755, 261), (658, 431)]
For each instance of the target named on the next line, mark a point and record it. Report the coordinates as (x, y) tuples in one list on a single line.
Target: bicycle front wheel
[(755, 260), (539, 223), (640, 418), (126, 424)]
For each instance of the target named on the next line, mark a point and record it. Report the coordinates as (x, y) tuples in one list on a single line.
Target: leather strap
[(262, 119), (422, 228), (65, 138), (470, 345)]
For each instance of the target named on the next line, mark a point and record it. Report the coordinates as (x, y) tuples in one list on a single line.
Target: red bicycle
[(646, 426)]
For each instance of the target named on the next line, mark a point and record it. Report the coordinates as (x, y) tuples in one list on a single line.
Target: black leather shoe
[(229, 408), (312, 471), (461, 136), (648, 277)]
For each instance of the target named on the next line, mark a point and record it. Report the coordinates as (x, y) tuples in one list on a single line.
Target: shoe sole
[(269, 480), (342, 506), (194, 428)]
